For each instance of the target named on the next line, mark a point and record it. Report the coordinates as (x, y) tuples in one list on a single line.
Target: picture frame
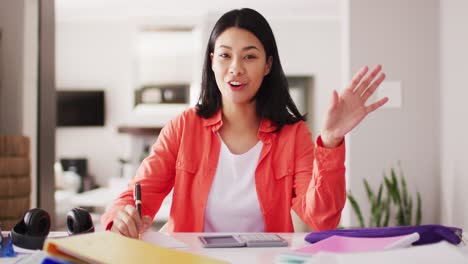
[(162, 94)]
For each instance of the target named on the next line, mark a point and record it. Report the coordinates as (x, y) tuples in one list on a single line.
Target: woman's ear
[(268, 66)]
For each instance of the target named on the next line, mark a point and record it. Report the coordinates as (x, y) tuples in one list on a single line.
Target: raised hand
[(347, 110)]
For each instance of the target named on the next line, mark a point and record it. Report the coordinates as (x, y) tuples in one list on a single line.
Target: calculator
[(243, 240)]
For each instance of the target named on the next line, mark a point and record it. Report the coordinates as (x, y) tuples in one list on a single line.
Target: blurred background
[(91, 83)]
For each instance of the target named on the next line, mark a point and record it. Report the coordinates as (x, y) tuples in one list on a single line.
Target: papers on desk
[(437, 253), (162, 240), (342, 244), (38, 256), (108, 247), (339, 249)]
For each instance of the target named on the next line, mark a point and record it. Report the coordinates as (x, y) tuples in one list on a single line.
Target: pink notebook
[(341, 244)]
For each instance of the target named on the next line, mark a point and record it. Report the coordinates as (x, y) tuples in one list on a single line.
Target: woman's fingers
[(133, 213), (129, 222), (367, 93), (147, 221), (376, 105), (334, 101), (120, 227), (357, 78), (364, 85)]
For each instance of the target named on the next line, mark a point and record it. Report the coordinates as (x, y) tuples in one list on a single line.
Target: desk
[(232, 255), (240, 255), (21, 252), (251, 255)]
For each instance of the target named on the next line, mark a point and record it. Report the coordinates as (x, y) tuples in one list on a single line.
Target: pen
[(137, 196)]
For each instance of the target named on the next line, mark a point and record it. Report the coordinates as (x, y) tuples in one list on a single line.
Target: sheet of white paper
[(438, 253), (163, 240)]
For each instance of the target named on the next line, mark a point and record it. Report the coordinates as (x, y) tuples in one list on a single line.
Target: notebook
[(437, 253), (108, 247), (342, 244)]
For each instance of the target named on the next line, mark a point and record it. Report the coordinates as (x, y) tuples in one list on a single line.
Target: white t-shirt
[(232, 204)]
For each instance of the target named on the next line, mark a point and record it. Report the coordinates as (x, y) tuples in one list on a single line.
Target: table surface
[(231, 255), (240, 255), (251, 255)]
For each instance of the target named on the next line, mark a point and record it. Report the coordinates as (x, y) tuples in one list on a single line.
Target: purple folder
[(428, 233)]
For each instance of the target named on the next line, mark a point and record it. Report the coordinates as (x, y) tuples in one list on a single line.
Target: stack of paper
[(438, 253), (107, 247), (341, 244)]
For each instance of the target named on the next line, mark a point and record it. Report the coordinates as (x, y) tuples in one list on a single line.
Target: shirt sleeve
[(155, 175), (319, 182)]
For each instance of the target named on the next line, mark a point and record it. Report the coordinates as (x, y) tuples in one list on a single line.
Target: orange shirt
[(291, 173)]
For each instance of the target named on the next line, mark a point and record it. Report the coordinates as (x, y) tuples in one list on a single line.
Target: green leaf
[(396, 188), (409, 212), (400, 218), (379, 195), (356, 208), (378, 218), (418, 210), (387, 212), (379, 207), (388, 183), (390, 188), (405, 191), (376, 215), (371, 199), (370, 193)]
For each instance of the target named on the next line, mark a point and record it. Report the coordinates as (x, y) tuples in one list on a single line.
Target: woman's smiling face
[(239, 64)]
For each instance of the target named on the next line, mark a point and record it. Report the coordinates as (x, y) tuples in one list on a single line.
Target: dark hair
[(272, 99)]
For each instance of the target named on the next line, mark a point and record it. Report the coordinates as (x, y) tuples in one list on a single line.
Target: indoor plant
[(396, 198)]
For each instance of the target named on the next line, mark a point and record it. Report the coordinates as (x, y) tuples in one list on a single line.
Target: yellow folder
[(108, 247)]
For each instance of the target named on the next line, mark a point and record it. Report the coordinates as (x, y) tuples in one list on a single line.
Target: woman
[(243, 157)]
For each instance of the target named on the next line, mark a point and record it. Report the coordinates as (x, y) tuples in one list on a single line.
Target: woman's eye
[(250, 57), (224, 55)]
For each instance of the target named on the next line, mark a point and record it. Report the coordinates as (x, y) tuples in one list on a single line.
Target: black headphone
[(32, 230), (79, 221)]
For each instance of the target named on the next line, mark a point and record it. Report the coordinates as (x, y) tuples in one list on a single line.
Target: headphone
[(32, 230)]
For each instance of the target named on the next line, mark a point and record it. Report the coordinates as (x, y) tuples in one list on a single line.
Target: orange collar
[(216, 122)]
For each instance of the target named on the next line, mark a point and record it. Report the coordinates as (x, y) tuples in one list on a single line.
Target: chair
[(15, 179)]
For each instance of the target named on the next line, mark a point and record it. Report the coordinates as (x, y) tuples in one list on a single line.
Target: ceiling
[(119, 9)]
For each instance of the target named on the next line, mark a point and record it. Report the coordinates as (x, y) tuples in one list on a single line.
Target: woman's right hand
[(129, 223)]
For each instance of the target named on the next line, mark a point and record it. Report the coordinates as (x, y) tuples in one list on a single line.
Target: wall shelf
[(139, 130)]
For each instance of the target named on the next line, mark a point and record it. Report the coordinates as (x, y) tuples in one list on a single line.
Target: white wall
[(96, 55), (453, 129), (18, 74), (312, 47), (100, 54), (30, 81), (402, 36), (11, 106), (79, 9)]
